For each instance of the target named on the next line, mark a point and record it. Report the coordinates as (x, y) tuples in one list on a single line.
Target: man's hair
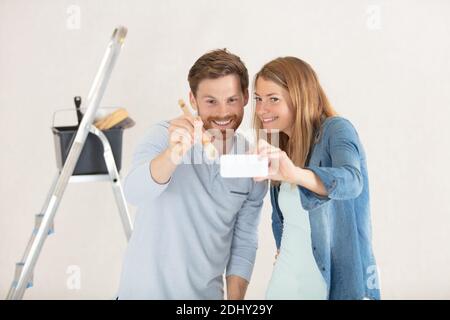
[(215, 64)]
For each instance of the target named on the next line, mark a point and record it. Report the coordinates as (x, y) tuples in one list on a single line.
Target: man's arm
[(236, 287), (156, 158), (162, 167), (245, 243), (138, 184)]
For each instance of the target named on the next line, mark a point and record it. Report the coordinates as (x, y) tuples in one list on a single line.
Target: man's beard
[(220, 133)]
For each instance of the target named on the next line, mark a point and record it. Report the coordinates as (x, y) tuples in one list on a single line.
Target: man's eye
[(210, 101)]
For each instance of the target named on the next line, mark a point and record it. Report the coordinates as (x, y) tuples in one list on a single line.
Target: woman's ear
[(193, 101)]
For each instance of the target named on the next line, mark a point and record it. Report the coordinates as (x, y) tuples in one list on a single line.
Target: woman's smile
[(267, 120)]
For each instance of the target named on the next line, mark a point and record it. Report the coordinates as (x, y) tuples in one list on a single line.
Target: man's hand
[(236, 287), (182, 132)]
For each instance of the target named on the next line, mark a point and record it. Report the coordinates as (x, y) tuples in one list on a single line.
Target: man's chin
[(222, 133)]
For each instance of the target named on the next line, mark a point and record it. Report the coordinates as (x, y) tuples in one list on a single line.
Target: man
[(192, 225)]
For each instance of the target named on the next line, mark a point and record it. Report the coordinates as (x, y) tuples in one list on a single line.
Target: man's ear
[(193, 101), (245, 97)]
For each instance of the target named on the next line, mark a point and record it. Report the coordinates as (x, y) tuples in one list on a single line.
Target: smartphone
[(243, 166)]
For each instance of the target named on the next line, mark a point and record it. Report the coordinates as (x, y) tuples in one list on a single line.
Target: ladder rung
[(18, 272), (37, 224)]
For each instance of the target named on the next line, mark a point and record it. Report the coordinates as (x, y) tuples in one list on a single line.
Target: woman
[(319, 189)]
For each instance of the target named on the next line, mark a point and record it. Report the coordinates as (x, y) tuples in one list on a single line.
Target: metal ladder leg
[(38, 223), (45, 221), (115, 181)]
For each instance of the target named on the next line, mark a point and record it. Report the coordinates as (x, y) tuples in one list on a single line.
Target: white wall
[(384, 64)]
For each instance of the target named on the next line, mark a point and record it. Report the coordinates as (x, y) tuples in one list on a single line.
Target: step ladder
[(43, 227)]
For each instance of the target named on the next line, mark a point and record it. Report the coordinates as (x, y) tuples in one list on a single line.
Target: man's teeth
[(265, 120), (222, 123)]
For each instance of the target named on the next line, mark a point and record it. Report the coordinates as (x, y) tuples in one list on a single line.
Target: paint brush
[(210, 150)]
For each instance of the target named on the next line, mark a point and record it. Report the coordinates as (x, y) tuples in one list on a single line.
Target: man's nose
[(223, 109)]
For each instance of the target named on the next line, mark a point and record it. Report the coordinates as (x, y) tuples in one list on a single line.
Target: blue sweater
[(189, 231)]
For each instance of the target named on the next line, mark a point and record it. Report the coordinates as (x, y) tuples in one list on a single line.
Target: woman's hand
[(281, 168)]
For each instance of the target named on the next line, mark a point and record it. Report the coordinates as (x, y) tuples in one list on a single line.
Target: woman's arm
[(281, 168), (341, 181), (309, 180)]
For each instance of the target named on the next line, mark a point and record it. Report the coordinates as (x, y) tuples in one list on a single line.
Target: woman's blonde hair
[(308, 101)]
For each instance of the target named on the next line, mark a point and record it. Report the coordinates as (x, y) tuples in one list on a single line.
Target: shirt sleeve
[(139, 184), (245, 235), (343, 180)]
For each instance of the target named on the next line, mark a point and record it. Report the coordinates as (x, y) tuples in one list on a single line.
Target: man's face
[(220, 103)]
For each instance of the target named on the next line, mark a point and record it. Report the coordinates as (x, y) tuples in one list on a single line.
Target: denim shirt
[(340, 222)]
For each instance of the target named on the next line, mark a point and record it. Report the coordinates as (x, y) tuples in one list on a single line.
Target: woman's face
[(273, 106)]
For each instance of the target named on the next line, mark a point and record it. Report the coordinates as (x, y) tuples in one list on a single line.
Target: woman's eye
[(258, 99), (274, 99)]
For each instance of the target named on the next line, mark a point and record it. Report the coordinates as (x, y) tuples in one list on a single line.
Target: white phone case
[(243, 166)]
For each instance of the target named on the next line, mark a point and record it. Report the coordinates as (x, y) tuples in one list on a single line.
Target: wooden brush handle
[(206, 136)]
